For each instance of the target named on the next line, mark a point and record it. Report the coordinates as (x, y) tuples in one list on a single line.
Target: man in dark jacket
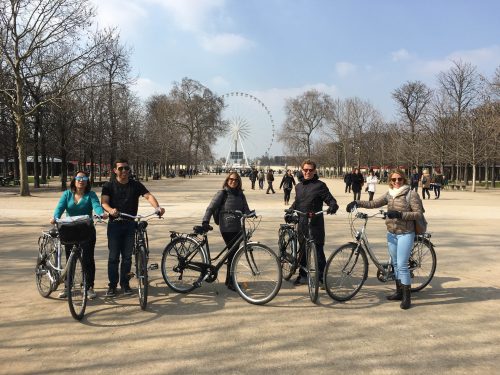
[(309, 197), (347, 180)]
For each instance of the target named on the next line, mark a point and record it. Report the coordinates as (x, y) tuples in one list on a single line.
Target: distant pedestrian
[(415, 178), (347, 181), (357, 182), (270, 179), (371, 183), (438, 182), (261, 176), (426, 183), (253, 177), (287, 183)]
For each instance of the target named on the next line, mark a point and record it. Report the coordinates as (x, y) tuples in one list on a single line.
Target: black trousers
[(229, 238), (287, 194), (88, 261)]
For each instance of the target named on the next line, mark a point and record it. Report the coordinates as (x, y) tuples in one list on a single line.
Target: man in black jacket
[(309, 197)]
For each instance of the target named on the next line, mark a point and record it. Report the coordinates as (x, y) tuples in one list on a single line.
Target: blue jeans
[(121, 236), (400, 246)]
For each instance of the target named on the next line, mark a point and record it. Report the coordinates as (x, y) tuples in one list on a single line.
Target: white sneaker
[(63, 294), (91, 294)]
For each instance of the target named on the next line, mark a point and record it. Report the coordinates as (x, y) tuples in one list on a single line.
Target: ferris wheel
[(251, 129)]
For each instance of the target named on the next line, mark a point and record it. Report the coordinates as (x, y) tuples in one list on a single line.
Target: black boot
[(406, 301), (398, 294)]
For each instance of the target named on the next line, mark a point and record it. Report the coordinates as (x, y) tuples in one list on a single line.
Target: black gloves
[(394, 214), (351, 206), (206, 227), (332, 209)]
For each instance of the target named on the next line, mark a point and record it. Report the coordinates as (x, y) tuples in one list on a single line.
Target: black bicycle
[(140, 253), (49, 270), (347, 267), (291, 254), (255, 269)]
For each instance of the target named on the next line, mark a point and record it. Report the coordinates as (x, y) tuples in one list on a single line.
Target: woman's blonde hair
[(399, 172)]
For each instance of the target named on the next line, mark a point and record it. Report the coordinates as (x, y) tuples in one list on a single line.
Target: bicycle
[(140, 253), (290, 256), (255, 269), (347, 267), (49, 272)]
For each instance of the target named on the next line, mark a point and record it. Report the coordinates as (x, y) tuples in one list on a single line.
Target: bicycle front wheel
[(42, 278), (256, 273), (345, 272), (288, 252), (77, 288), (312, 272), (141, 272), (181, 264), (422, 264)]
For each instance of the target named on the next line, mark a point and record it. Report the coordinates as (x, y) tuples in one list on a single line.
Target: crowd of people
[(121, 195)]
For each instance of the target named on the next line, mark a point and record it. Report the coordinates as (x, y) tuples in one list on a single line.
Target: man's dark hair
[(120, 160)]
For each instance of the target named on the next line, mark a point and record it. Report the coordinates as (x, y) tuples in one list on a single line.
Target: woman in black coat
[(357, 182), (223, 204), (288, 182)]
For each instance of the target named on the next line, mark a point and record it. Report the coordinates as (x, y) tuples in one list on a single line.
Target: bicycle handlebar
[(137, 217), (308, 214)]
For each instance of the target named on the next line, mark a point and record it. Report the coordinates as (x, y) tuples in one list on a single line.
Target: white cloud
[(145, 87), (225, 43), (220, 82), (344, 68), (125, 14), (399, 55), (192, 15), (486, 59)]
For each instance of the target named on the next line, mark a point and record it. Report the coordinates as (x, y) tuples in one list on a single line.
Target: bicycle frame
[(210, 270)]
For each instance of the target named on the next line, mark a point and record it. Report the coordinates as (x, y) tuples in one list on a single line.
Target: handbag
[(74, 229), (420, 224)]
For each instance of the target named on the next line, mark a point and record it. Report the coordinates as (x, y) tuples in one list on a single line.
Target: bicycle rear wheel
[(77, 287), (141, 274), (345, 272), (288, 252), (312, 272), (422, 264), (256, 273), (177, 267)]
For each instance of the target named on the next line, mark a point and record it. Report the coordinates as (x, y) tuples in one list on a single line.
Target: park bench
[(99, 183)]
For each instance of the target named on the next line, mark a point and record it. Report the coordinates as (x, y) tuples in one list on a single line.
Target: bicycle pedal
[(153, 266)]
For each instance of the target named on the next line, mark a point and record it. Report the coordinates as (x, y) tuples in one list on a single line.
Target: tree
[(52, 28), (413, 99), (459, 83), (304, 115)]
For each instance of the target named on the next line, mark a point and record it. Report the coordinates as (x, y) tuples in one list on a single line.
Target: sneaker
[(111, 292), (127, 291), (63, 294), (300, 280), (91, 294), (321, 285)]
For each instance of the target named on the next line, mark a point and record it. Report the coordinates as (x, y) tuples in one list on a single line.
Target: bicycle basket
[(74, 229), (251, 225)]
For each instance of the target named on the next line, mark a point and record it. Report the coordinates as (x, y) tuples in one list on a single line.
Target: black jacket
[(235, 200), (357, 182), (309, 196), (288, 182)]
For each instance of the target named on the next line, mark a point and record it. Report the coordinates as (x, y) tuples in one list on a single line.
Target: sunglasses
[(81, 178), (125, 168), (399, 179), (232, 179), (308, 170)]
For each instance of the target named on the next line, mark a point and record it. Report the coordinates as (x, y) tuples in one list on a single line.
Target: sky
[(272, 50)]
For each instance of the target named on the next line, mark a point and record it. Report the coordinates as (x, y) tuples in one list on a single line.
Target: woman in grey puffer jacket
[(227, 200), (401, 213)]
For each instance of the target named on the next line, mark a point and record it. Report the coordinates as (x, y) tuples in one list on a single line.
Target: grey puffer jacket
[(234, 200), (411, 211)]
